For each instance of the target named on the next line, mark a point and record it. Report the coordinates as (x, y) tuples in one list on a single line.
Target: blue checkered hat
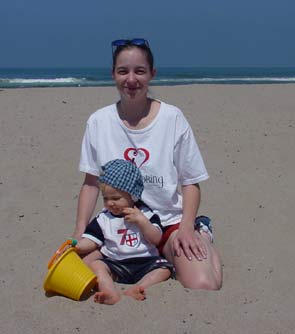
[(123, 175)]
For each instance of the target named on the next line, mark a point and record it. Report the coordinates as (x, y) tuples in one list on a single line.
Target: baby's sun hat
[(123, 175)]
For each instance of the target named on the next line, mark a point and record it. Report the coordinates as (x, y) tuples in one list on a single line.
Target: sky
[(77, 33)]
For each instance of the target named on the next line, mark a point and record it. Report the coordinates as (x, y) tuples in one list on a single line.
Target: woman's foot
[(137, 292), (106, 297)]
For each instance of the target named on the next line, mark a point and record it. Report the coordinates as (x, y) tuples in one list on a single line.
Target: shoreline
[(159, 86), (99, 77)]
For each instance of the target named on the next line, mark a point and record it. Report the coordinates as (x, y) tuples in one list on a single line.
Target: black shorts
[(131, 270)]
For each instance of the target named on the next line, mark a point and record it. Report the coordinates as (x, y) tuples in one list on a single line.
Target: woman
[(157, 138)]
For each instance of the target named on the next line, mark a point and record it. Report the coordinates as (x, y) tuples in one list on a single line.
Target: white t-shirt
[(165, 151), (119, 239)]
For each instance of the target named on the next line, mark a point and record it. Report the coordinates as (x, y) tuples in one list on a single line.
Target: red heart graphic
[(138, 156)]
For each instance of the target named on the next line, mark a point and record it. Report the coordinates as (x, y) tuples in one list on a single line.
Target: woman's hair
[(147, 51)]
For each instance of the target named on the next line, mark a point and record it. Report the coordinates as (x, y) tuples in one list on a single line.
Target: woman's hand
[(190, 243), (187, 240)]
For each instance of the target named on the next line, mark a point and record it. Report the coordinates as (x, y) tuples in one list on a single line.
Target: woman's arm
[(186, 239), (86, 203)]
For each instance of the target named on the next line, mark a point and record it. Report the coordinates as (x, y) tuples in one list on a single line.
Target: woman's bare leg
[(107, 292), (194, 274), (137, 291)]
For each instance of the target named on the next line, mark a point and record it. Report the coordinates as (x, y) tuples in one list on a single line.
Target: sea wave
[(227, 80), (23, 82), (47, 81), (92, 77), (51, 82)]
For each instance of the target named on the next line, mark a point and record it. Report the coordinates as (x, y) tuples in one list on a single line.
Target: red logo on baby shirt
[(129, 239), (138, 156)]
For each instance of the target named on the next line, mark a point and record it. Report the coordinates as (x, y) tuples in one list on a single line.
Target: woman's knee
[(200, 282), (204, 275)]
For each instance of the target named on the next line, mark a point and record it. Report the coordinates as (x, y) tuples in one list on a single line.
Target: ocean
[(95, 77)]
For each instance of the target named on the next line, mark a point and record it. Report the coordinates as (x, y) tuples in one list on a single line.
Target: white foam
[(227, 79), (43, 81)]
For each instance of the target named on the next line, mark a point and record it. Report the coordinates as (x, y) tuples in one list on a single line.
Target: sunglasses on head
[(134, 41)]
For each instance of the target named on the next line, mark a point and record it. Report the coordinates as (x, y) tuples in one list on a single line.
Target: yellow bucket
[(69, 275)]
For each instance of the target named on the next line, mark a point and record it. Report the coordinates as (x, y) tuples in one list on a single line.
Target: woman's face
[(132, 74)]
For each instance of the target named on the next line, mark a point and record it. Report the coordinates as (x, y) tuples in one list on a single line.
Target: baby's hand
[(133, 215)]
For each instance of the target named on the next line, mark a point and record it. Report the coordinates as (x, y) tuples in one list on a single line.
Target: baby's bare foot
[(106, 297), (137, 292)]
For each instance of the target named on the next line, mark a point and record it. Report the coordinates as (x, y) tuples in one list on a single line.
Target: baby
[(127, 233)]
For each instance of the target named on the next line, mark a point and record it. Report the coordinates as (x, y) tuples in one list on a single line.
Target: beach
[(246, 136)]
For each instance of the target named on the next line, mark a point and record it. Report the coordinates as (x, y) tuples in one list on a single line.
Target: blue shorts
[(131, 270)]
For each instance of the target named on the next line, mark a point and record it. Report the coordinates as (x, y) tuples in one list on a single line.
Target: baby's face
[(115, 200)]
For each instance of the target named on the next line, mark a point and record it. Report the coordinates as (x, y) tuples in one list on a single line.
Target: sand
[(246, 135)]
